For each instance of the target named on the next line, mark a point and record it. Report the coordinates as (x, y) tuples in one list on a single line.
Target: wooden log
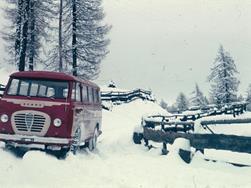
[(202, 141), (175, 126), (225, 121), (158, 123), (179, 123)]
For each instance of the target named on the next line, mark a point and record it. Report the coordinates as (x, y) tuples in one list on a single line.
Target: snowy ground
[(119, 163)]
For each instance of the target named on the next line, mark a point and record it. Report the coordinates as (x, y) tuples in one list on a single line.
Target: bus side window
[(85, 93), (73, 92), (78, 93), (93, 96), (90, 94), (95, 92), (97, 95)]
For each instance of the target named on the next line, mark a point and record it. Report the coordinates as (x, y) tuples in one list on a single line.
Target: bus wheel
[(60, 154), (76, 141), (93, 141)]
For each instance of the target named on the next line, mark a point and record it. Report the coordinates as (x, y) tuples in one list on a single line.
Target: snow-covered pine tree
[(41, 13), (248, 98), (172, 108), (56, 51), (224, 83), (60, 36), (240, 98), (198, 98), (16, 33), (29, 21), (182, 102), (85, 37), (163, 104), (206, 101)]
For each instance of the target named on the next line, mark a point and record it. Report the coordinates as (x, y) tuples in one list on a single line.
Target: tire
[(60, 154), (76, 141), (17, 151), (137, 137), (92, 143)]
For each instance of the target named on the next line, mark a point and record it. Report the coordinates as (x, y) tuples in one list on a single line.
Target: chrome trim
[(30, 122), (35, 139), (34, 103)]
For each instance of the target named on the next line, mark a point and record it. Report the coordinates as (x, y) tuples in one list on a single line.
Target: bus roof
[(50, 75)]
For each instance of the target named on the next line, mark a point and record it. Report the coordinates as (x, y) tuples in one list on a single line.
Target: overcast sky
[(169, 45)]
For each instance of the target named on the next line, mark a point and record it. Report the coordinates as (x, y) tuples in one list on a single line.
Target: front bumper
[(23, 139)]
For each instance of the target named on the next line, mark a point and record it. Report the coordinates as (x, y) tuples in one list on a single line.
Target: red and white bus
[(51, 111)]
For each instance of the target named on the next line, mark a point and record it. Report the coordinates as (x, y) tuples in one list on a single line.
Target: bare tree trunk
[(32, 36), (60, 42), (18, 30), (74, 37), (24, 36)]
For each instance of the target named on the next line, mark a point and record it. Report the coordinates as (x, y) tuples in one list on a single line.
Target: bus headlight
[(4, 118), (57, 122)]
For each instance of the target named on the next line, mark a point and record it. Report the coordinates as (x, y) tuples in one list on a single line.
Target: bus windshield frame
[(43, 88)]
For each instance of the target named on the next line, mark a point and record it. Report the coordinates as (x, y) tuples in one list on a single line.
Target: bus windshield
[(38, 88)]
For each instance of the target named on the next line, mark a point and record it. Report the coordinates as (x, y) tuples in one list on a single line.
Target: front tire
[(76, 141), (92, 144)]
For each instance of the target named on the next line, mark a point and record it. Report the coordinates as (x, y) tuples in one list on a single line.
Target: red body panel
[(66, 110)]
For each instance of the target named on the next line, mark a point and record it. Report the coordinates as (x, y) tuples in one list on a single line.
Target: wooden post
[(164, 149)]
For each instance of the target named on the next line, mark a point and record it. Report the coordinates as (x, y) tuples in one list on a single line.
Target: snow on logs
[(162, 129), (225, 121), (118, 97), (202, 141)]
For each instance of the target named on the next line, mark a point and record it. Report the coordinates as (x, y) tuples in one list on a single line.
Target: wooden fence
[(125, 97), (165, 129)]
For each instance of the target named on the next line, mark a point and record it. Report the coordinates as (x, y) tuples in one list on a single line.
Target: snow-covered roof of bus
[(50, 75)]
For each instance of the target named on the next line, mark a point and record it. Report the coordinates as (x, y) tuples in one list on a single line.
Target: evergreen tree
[(163, 104), (240, 98), (82, 38), (182, 102), (55, 54), (172, 108), (224, 83), (206, 101), (41, 12), (16, 33), (198, 98), (248, 99), (29, 21), (60, 36)]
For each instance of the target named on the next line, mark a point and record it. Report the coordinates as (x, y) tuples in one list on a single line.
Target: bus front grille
[(30, 122)]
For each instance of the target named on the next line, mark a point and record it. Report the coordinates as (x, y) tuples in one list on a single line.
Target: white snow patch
[(4, 75), (241, 129), (181, 143), (118, 162)]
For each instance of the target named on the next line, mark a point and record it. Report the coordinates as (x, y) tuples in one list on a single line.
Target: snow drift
[(118, 162)]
